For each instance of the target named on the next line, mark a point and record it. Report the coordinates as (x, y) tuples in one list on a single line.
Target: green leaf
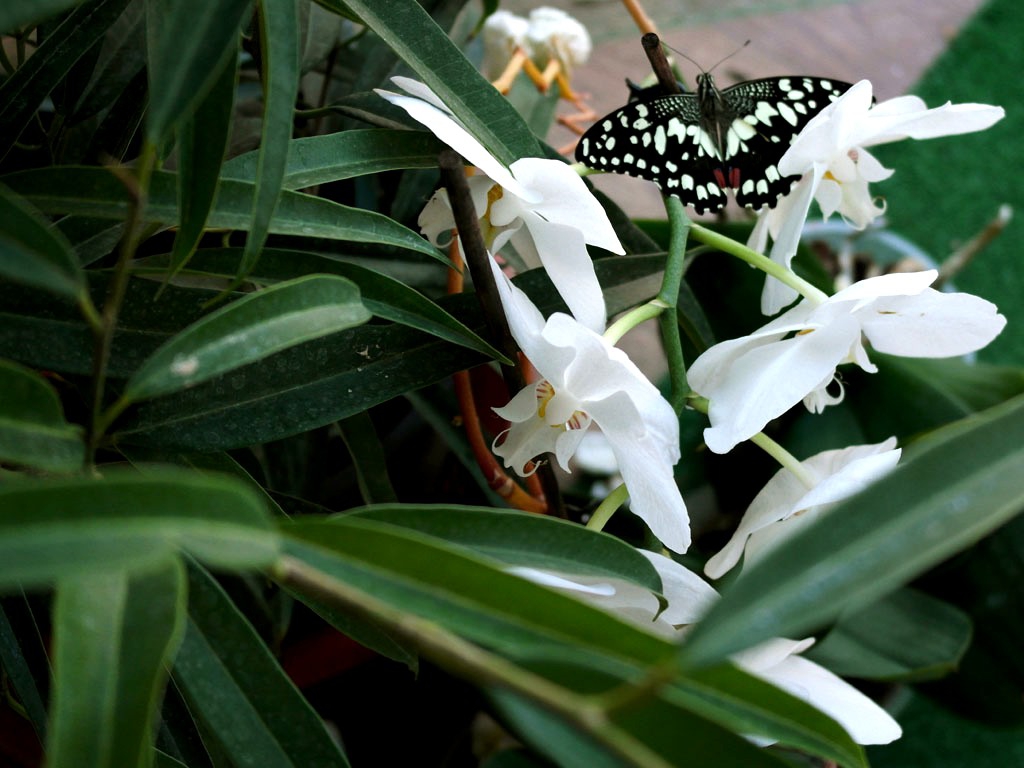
[(934, 737), (964, 484), (19, 674), (187, 40), (909, 396), (163, 760), (33, 432), (96, 192), (20, 13), (906, 636), (410, 32), (23, 92), (279, 45), (473, 596), (64, 528), (236, 687), (324, 381), (467, 593), (321, 159), (202, 142), (368, 457), (32, 253), (384, 296), (248, 330), (661, 723), (987, 582), (115, 635), (522, 539)]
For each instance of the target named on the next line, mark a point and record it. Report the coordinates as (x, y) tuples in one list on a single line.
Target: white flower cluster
[(549, 34), (544, 209)]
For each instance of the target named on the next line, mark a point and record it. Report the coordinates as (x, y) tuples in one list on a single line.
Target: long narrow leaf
[(115, 635), (250, 707), (18, 13), (187, 41), (19, 674), (386, 297), (413, 35), (61, 529), (96, 192), (23, 92), (32, 253), (203, 140), (279, 34), (33, 432), (248, 330), (343, 155), (524, 539)]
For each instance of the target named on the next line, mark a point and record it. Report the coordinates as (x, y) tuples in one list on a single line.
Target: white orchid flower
[(753, 379), (786, 504), (831, 157), (550, 34), (586, 380), (555, 35), (775, 661), (503, 32), (542, 206)]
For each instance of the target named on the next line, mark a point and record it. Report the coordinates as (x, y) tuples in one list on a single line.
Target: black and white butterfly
[(694, 146)]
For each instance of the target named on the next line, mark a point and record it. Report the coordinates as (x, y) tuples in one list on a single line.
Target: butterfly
[(695, 146)]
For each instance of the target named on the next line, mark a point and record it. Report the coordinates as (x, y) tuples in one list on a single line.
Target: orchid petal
[(862, 718), (932, 324), (566, 200), (785, 371), (564, 255), (689, 596), (892, 284), (772, 503), (947, 120), (450, 130)]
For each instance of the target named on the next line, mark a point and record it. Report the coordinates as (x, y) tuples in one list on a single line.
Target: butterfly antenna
[(729, 56), (697, 64)]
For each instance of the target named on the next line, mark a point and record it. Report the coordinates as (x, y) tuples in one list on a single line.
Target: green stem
[(675, 267), (784, 457), (599, 519), (752, 257), (769, 446), (467, 660), (138, 188), (633, 318)]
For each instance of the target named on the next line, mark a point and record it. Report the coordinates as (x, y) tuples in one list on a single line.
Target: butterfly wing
[(658, 139), (767, 115), (663, 138)]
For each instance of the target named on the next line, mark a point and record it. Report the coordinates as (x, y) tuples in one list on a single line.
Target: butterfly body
[(695, 146)]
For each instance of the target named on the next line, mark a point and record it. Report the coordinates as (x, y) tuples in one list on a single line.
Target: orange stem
[(643, 22)]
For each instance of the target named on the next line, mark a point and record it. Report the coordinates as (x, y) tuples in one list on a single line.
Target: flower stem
[(633, 318), (755, 259), (675, 267), (784, 457), (769, 446), (599, 519)]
